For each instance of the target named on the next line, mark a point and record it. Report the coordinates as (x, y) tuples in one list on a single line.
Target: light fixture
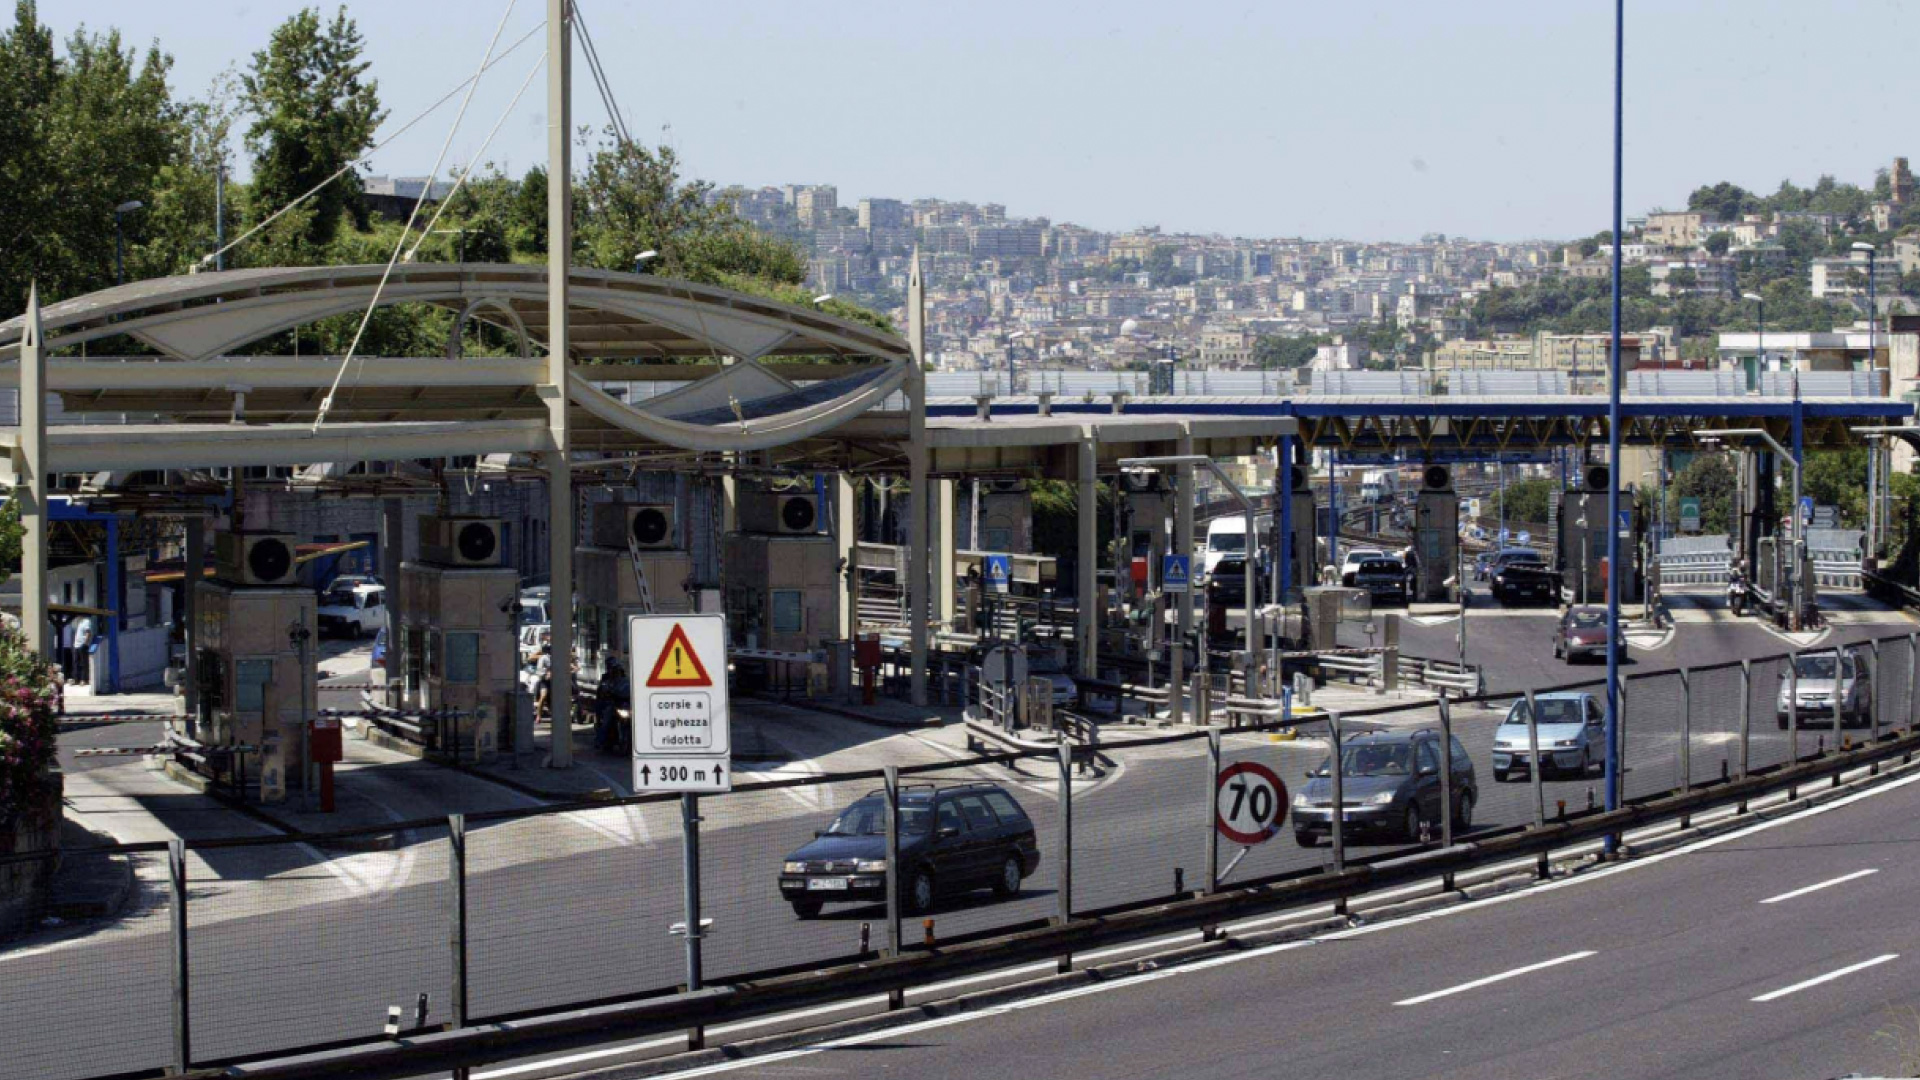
[(823, 298)]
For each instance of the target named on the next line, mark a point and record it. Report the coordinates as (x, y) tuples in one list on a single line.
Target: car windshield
[(1044, 664), (1362, 556), (1374, 759), (1522, 558), (868, 817), (1552, 711), (1227, 542), (1587, 618), (1380, 566), (1814, 667)]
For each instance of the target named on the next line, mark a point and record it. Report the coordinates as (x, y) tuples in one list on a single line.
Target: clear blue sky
[(1367, 119)]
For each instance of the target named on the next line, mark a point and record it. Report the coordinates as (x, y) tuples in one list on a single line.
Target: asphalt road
[(1710, 963), (293, 946)]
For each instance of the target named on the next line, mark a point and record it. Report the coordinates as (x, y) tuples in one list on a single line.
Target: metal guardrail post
[(1533, 763), (1913, 673), (690, 828), (1746, 715), (457, 923), (182, 1010), (1873, 707), (1793, 715), (1686, 733), (1212, 880), (1066, 844), (1446, 782), (1338, 809), (896, 999)]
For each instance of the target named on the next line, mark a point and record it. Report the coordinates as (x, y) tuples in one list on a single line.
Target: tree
[(313, 114), (1279, 352), (1525, 500), (1709, 478), (1717, 243), (1723, 201), (1838, 478)]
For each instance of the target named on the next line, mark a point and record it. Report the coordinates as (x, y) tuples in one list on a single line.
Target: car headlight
[(1300, 800), (793, 868), (870, 866), (1564, 744), (1382, 799)]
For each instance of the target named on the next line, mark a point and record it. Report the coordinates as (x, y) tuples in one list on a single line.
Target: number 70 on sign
[(1249, 803)]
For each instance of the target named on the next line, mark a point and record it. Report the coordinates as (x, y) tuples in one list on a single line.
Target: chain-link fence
[(291, 943)]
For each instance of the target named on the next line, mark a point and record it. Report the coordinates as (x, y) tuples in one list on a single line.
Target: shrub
[(27, 726)]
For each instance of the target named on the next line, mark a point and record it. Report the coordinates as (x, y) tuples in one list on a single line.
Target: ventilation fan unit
[(254, 558), (781, 513), (1143, 482), (650, 526), (461, 541), (1300, 484), (1436, 478), (1597, 477), (1007, 486)]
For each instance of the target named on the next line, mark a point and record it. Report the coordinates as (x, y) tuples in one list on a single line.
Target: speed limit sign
[(1249, 803)]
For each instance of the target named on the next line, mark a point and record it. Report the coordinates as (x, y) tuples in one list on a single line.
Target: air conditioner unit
[(1597, 477), (461, 541), (1436, 478), (253, 558), (1143, 482), (780, 512), (651, 526), (1007, 486), (1300, 482)]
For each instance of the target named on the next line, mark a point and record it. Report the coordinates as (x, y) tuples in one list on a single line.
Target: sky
[(1365, 119)]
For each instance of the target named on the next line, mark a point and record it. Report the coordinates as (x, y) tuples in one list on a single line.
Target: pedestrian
[(543, 677)]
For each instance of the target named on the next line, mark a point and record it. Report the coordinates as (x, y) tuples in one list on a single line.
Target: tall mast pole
[(559, 468)]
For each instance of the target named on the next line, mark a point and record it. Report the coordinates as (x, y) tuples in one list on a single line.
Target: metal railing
[(464, 922)]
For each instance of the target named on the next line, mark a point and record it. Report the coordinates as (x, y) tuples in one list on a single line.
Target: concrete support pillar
[(917, 461), (1086, 589), (559, 469), (393, 551), (846, 534), (30, 468), (115, 600), (1183, 545), (729, 504), (941, 529), (196, 529)]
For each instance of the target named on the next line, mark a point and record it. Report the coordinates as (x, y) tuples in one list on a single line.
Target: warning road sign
[(679, 664), (998, 572), (1249, 803), (681, 736), (1176, 573)]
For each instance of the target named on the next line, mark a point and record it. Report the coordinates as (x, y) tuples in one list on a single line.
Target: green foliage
[(11, 534), (1709, 478), (27, 727), (1838, 478), (313, 113), (84, 132), (1280, 352), (1056, 518), (1525, 500), (1717, 243), (1723, 200)]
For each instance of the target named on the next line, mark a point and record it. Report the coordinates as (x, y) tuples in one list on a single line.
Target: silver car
[(1817, 696), (1572, 730)]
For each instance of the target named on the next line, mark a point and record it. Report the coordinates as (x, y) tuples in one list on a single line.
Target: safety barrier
[(505, 923), (1695, 560), (1442, 675)]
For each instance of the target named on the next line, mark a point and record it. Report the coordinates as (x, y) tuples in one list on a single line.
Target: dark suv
[(1390, 783), (952, 840)]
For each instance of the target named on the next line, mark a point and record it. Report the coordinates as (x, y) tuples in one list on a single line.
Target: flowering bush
[(27, 726)]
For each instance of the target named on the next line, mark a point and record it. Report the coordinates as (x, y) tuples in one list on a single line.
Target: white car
[(1351, 561)]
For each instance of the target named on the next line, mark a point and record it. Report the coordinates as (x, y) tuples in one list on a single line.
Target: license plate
[(826, 884)]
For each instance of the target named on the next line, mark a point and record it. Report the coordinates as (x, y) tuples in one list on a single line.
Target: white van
[(1228, 536), (352, 606)]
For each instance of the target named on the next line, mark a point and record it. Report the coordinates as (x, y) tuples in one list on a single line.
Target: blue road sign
[(1623, 522), (1524, 537), (998, 572), (1176, 573), (1806, 509)]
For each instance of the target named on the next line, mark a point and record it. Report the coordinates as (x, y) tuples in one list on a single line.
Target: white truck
[(1379, 486), (353, 607)]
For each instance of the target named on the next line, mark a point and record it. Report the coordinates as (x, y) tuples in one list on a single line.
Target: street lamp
[(823, 298), (1874, 477), (640, 259), (120, 240), (1712, 438)]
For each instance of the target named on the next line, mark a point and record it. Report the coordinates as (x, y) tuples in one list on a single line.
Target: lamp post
[(120, 239), (640, 260), (1793, 518), (1875, 521)]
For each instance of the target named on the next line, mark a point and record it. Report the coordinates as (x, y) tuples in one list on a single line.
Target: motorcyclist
[(613, 692)]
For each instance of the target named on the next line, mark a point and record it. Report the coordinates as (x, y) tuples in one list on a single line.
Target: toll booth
[(1146, 535), (1006, 517), (1301, 572), (1581, 546), (637, 563), (1436, 536), (256, 632), (783, 589), (458, 638)]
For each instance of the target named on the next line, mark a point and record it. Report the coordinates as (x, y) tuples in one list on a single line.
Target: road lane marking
[(1772, 995), (1804, 890), (1502, 977)]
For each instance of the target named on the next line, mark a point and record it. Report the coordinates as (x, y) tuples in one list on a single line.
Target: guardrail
[(1442, 675), (1687, 740), (1836, 571), (1366, 670)]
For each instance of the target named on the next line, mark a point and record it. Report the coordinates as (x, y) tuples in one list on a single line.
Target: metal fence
[(248, 947)]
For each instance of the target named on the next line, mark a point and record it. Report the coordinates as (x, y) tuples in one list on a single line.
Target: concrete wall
[(24, 886)]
